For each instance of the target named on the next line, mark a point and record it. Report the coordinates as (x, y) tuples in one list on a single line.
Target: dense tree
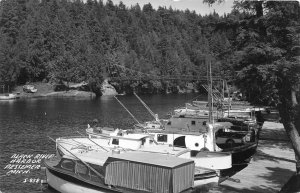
[(45, 37), (40, 37), (267, 58)]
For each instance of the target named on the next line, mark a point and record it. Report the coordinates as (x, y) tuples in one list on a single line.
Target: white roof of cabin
[(152, 158), (99, 158)]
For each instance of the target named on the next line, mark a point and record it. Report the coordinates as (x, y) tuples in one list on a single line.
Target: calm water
[(26, 125)]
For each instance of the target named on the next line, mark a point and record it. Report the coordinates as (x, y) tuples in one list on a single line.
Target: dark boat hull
[(242, 154)]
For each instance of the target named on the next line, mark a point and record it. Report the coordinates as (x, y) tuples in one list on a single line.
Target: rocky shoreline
[(47, 90), (107, 89)]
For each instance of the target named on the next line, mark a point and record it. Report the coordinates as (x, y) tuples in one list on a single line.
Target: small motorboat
[(9, 96), (127, 171), (29, 89)]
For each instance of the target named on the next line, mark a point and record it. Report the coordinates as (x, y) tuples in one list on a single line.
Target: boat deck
[(270, 168)]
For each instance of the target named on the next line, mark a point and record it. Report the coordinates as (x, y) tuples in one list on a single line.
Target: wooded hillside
[(73, 41), (63, 40)]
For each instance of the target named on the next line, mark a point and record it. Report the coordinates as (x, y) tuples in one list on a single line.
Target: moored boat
[(124, 141), (197, 135), (29, 89), (95, 172), (9, 96)]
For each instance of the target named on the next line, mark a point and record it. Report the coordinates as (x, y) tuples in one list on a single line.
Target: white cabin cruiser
[(207, 164), (124, 141)]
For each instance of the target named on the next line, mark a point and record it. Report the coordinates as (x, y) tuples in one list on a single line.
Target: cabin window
[(193, 123), (143, 141), (162, 138), (194, 153), (115, 141), (82, 170), (67, 165), (59, 152)]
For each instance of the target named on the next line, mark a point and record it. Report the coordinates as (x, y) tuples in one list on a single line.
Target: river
[(26, 125)]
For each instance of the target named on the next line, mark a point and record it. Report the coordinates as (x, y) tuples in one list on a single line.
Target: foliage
[(267, 55), (62, 40)]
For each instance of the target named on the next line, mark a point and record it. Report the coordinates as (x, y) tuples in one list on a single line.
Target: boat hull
[(201, 183), (213, 160), (66, 183), (205, 180), (243, 154), (65, 186), (8, 97)]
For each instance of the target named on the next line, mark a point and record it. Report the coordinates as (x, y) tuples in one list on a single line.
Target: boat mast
[(210, 100), (229, 101), (223, 95)]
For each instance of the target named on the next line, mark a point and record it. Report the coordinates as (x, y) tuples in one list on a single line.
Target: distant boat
[(29, 89), (122, 94), (9, 96)]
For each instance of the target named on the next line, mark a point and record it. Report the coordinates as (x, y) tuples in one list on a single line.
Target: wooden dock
[(270, 168)]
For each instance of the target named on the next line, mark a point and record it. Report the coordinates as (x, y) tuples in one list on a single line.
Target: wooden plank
[(271, 167)]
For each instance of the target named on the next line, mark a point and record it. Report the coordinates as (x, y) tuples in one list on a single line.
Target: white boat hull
[(64, 186), (8, 97), (202, 182), (214, 160)]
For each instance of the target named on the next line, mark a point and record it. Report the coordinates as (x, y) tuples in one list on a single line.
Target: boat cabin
[(130, 141), (127, 172), (188, 123), (120, 138)]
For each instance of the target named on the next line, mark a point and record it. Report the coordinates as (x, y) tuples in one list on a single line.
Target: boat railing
[(79, 143), (72, 136), (183, 152), (86, 164)]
